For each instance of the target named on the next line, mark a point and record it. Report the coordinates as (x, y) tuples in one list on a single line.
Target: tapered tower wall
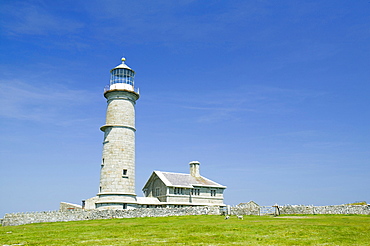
[(118, 160), (117, 174)]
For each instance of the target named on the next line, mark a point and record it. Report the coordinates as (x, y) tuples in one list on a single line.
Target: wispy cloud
[(221, 105), (327, 144), (171, 22), (300, 134), (22, 101), (25, 18)]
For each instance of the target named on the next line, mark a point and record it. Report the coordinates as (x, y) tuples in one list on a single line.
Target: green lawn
[(196, 230)]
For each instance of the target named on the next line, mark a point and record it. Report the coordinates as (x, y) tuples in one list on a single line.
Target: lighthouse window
[(124, 172), (122, 76)]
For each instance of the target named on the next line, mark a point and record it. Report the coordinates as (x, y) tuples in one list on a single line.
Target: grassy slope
[(197, 230)]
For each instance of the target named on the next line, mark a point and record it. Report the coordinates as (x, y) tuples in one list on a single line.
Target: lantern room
[(122, 77)]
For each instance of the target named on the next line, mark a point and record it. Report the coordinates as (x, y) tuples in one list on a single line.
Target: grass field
[(196, 230)]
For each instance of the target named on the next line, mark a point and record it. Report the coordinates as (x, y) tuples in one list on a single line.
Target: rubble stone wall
[(54, 216), (302, 209), (14, 219), (244, 211), (334, 209)]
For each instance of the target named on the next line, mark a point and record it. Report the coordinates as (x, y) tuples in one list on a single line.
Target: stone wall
[(334, 209), (302, 209), (249, 208), (242, 210), (252, 208), (55, 216)]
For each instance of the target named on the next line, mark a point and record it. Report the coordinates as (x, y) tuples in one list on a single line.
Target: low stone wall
[(300, 209), (54, 216), (334, 209), (244, 211)]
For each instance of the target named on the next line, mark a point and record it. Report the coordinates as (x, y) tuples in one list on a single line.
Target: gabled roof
[(248, 204), (184, 180)]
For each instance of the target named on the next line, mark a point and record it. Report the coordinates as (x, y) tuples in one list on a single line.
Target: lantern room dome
[(123, 65), (122, 77)]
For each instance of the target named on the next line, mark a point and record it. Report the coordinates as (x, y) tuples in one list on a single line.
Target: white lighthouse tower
[(117, 174)]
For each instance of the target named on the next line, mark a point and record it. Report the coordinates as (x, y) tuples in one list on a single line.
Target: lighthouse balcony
[(121, 86)]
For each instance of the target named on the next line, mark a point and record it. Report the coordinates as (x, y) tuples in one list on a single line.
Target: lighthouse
[(117, 171)]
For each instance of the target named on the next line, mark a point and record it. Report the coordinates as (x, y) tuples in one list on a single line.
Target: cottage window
[(157, 192), (195, 192), (178, 191)]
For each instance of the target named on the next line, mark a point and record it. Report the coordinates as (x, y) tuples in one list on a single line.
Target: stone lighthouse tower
[(117, 174)]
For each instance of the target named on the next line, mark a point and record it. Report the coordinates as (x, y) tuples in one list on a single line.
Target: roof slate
[(186, 180)]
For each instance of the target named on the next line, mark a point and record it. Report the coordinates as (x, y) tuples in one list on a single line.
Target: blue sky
[(270, 96)]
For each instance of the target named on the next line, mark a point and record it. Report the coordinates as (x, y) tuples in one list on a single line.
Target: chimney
[(194, 168)]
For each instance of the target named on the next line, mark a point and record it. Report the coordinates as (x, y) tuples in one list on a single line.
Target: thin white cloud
[(300, 134), (23, 101), (220, 106), (23, 18), (170, 22), (327, 144)]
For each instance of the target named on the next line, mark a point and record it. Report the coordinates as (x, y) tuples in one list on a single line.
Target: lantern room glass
[(121, 75)]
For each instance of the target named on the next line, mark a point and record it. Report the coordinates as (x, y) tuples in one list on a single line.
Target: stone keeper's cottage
[(166, 189)]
